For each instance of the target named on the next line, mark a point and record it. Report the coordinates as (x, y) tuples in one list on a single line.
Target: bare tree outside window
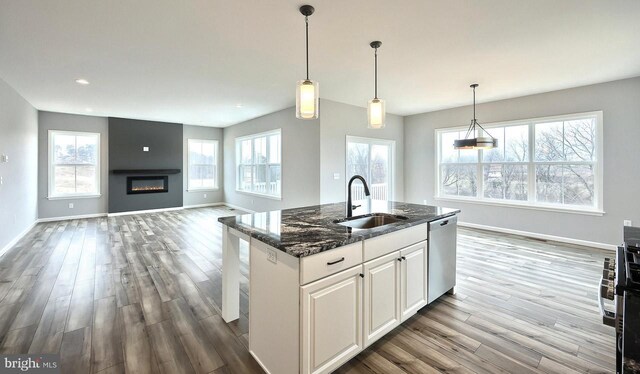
[(546, 162), (372, 159), (567, 151)]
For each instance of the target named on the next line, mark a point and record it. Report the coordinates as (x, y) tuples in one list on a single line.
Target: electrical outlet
[(627, 222), (205, 196), (70, 205), (424, 202), (1, 181), (336, 176), (272, 256)]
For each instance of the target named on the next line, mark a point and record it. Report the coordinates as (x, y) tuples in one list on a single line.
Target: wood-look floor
[(141, 294)]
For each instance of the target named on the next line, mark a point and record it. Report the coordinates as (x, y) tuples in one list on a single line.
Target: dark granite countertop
[(309, 230)]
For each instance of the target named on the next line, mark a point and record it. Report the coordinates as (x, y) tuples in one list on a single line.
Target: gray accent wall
[(19, 141), (620, 103), (337, 121), (198, 197), (81, 206), (300, 161), (127, 138)]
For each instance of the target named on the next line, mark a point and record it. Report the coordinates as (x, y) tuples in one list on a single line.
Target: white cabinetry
[(395, 287), (310, 315), (413, 294), (331, 321), (381, 296)]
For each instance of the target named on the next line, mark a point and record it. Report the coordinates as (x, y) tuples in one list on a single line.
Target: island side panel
[(274, 308)]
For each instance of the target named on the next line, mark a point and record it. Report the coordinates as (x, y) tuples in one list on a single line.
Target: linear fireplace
[(147, 184)]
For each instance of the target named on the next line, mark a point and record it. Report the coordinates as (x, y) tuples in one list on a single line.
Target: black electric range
[(621, 283)]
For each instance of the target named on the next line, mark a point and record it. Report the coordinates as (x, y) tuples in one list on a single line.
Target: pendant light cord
[(474, 122), (474, 105), (376, 73), (306, 22)]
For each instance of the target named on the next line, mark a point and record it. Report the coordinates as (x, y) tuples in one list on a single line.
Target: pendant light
[(375, 107), (477, 142), (307, 91)]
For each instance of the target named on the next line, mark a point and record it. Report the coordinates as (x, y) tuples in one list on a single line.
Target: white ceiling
[(194, 61)]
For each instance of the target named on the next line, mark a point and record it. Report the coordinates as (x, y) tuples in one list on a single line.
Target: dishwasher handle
[(442, 223)]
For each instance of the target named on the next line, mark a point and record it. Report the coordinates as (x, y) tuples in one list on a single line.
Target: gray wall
[(620, 103), (197, 197), (127, 137), (338, 120), (19, 141), (300, 161), (70, 122)]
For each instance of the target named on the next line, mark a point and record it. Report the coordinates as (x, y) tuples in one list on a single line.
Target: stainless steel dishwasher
[(442, 257)]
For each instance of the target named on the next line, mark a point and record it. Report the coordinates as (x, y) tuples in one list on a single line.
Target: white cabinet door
[(381, 296), (414, 279), (331, 316)]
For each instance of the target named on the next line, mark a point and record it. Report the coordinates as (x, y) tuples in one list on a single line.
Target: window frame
[(370, 142), (238, 161), (216, 151), (531, 203), (51, 195)]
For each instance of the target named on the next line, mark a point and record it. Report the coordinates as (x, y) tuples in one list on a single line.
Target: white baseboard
[(255, 357), (239, 208), (144, 211), (534, 235), (15, 240), (202, 205), (67, 218)]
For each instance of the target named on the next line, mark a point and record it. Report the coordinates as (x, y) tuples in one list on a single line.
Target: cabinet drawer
[(381, 245), (330, 262)]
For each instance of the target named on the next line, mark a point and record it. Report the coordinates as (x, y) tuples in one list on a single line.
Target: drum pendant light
[(307, 91), (477, 142), (375, 107)]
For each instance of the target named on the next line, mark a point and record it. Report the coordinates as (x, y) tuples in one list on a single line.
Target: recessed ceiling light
[(89, 110), (239, 105), (82, 81)]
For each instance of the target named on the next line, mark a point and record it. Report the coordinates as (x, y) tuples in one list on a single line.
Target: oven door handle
[(608, 318)]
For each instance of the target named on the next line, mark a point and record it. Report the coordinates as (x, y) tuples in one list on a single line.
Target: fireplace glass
[(147, 184)]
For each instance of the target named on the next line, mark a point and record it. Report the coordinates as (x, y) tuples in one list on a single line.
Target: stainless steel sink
[(370, 221)]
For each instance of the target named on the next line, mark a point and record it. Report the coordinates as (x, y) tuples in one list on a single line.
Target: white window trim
[(392, 161), (51, 166), (216, 164), (597, 209), (239, 157)]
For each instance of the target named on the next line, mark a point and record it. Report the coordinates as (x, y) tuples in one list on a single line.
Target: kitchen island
[(323, 288)]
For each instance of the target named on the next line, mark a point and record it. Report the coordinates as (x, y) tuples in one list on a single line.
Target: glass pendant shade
[(307, 95), (376, 114)]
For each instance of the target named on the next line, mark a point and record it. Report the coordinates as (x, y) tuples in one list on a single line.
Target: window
[(372, 159), (74, 164), (258, 164), (550, 162), (203, 164)]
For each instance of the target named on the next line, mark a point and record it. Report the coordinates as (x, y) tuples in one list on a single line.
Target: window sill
[(588, 212), (202, 189), (272, 197), (73, 197)]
